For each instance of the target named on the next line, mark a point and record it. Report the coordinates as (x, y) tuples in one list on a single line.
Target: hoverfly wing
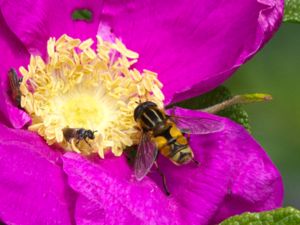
[(197, 125), (146, 156)]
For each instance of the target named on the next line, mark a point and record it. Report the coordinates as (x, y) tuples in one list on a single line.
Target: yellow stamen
[(81, 88)]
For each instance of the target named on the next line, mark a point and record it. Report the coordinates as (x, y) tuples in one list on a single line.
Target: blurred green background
[(276, 124)]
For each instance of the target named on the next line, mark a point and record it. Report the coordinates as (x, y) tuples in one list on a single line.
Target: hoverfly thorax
[(150, 118)]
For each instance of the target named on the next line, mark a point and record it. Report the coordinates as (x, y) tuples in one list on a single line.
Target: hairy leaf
[(282, 216), (292, 11)]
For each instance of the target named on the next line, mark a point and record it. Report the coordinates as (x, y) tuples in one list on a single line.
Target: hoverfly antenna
[(138, 102)]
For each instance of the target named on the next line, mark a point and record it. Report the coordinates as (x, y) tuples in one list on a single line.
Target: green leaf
[(282, 216), (218, 95), (82, 14), (292, 11)]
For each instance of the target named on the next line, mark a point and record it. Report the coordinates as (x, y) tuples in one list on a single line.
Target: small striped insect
[(168, 136), (14, 82), (78, 134)]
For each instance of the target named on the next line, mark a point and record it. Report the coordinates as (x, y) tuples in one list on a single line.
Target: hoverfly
[(166, 135), (78, 134), (14, 83)]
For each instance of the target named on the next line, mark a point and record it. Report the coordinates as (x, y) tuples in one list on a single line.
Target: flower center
[(77, 115), (80, 91)]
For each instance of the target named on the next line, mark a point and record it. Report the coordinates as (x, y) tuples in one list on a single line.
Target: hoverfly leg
[(163, 178), (138, 128), (139, 102), (195, 161)]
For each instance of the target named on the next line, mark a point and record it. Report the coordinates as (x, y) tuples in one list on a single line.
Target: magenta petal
[(235, 175), (196, 45), (35, 21), (33, 187), (14, 54), (108, 194)]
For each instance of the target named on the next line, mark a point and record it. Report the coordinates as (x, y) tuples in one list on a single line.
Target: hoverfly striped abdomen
[(174, 145)]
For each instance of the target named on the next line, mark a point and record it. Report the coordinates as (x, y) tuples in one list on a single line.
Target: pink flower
[(194, 46)]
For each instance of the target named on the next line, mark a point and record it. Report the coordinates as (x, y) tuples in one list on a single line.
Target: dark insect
[(78, 134), (167, 135), (14, 83)]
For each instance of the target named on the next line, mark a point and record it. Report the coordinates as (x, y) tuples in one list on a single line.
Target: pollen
[(90, 86)]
